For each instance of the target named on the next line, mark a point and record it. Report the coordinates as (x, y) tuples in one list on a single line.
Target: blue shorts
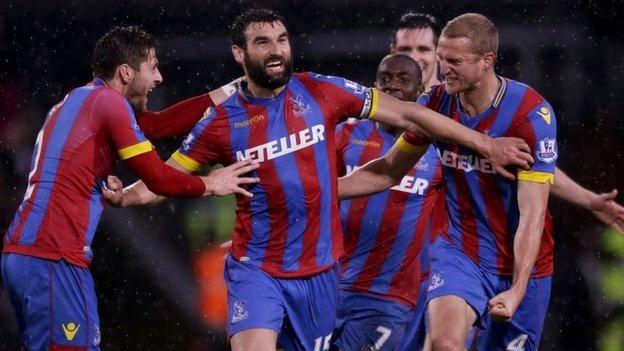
[(54, 303), (367, 322), (454, 273), (414, 335), (301, 311)]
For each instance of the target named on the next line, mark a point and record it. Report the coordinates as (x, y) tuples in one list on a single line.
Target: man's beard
[(257, 72)]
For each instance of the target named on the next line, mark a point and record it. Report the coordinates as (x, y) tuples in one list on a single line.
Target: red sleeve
[(177, 119), (114, 116), (343, 136), (416, 139), (162, 179)]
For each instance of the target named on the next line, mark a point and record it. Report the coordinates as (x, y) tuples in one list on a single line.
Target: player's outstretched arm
[(532, 203), (219, 182), (381, 173), (414, 117), (180, 118), (603, 206)]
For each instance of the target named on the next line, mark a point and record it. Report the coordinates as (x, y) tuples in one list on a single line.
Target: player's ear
[(238, 53), (489, 60), (125, 72), (392, 48)]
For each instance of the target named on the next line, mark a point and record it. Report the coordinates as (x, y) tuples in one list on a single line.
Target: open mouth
[(274, 65)]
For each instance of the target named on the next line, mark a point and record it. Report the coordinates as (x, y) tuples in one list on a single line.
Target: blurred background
[(158, 269)]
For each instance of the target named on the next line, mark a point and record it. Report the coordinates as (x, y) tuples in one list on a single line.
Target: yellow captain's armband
[(136, 149), (406, 147), (188, 163), (538, 177), (374, 103)]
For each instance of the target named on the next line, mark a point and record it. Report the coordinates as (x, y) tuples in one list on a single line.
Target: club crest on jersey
[(300, 107), (240, 313), (547, 150), (436, 281)]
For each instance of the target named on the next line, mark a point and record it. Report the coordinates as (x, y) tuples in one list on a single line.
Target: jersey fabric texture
[(482, 206), (384, 233), (80, 140), (291, 226)]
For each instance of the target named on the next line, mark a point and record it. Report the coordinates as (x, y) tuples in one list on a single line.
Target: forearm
[(138, 194), (444, 129), (568, 190), (163, 179), (382, 173), (366, 180)]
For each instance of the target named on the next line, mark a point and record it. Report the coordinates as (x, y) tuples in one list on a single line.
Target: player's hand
[(604, 207), (113, 191), (508, 151), (228, 180), (503, 306)]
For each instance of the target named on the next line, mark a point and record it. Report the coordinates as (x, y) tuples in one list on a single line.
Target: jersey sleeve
[(411, 142), (116, 116), (539, 130), (348, 98), (343, 137), (175, 120), (201, 145)]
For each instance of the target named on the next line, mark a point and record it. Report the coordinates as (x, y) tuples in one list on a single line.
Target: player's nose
[(158, 78)]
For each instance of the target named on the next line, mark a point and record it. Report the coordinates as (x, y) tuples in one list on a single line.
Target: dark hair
[(417, 20), (130, 45), (252, 15)]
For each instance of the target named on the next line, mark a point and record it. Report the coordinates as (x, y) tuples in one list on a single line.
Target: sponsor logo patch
[(547, 150), (436, 281)]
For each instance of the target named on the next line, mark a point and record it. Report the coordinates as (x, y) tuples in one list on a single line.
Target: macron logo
[(285, 145)]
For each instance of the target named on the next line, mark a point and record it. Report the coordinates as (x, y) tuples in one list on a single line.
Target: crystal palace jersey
[(482, 206), (291, 226), (80, 140), (385, 233)]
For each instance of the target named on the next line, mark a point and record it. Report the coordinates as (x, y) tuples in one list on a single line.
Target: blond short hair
[(476, 27)]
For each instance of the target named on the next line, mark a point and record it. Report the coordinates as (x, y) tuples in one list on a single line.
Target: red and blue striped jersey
[(291, 226), (482, 206), (80, 140), (385, 234)]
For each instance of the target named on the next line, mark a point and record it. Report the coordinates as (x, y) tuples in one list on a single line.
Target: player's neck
[(116, 85), (432, 81), (478, 99), (258, 91)]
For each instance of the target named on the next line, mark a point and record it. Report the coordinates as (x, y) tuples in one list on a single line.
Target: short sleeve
[(343, 138), (115, 114), (200, 145), (539, 130)]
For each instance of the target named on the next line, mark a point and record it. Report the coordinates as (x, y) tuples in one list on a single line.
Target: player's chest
[(266, 133)]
